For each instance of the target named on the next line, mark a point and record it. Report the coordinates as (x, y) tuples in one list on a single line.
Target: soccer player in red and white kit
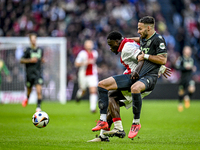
[(129, 50), (87, 74)]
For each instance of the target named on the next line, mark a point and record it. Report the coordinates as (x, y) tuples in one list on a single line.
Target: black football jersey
[(155, 45), (33, 69), (182, 63)]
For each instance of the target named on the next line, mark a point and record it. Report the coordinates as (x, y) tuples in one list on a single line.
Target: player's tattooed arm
[(164, 55), (159, 59)]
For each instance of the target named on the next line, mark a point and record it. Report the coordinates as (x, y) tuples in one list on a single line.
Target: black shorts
[(123, 81), (149, 81), (185, 83), (33, 80)]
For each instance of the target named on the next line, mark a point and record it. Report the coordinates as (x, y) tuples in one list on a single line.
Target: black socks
[(103, 100), (137, 105)]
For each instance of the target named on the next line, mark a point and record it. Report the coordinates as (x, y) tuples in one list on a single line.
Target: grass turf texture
[(163, 127)]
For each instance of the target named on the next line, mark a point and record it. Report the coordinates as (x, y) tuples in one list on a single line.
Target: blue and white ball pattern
[(40, 119)]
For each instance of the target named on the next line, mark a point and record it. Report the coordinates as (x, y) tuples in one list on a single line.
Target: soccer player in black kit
[(154, 53), (33, 59), (186, 86)]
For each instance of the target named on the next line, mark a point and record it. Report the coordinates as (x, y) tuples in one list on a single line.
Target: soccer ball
[(40, 119)]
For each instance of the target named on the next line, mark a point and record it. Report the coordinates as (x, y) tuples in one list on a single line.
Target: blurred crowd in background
[(177, 20)]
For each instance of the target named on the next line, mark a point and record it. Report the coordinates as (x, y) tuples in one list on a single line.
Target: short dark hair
[(147, 20), (32, 33), (114, 35)]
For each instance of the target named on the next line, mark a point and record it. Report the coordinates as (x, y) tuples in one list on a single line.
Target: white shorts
[(128, 96), (88, 81)]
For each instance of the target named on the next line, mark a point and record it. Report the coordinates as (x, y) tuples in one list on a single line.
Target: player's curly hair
[(147, 20), (114, 35)]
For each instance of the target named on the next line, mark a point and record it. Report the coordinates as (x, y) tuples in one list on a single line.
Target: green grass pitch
[(163, 127)]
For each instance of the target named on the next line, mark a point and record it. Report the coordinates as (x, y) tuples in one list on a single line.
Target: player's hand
[(134, 75), (167, 73), (141, 57), (33, 60)]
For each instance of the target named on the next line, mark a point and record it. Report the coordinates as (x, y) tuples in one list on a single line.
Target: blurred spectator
[(79, 20)]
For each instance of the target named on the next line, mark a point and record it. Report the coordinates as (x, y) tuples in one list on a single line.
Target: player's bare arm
[(160, 59), (135, 74)]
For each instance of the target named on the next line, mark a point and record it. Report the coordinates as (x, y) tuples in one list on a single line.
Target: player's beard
[(144, 34)]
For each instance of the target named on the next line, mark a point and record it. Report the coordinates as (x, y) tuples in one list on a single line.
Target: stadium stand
[(177, 21)]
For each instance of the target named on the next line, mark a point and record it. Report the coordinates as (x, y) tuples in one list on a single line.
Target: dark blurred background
[(177, 20)]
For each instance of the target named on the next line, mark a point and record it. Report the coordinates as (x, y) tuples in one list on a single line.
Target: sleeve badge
[(162, 46)]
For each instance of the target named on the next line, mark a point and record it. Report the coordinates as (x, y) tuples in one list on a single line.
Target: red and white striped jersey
[(82, 57), (129, 51)]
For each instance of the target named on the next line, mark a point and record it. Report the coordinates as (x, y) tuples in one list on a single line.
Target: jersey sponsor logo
[(145, 50), (162, 46), (37, 54)]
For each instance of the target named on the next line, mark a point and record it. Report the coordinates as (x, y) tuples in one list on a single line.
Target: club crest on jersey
[(149, 42), (162, 46)]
